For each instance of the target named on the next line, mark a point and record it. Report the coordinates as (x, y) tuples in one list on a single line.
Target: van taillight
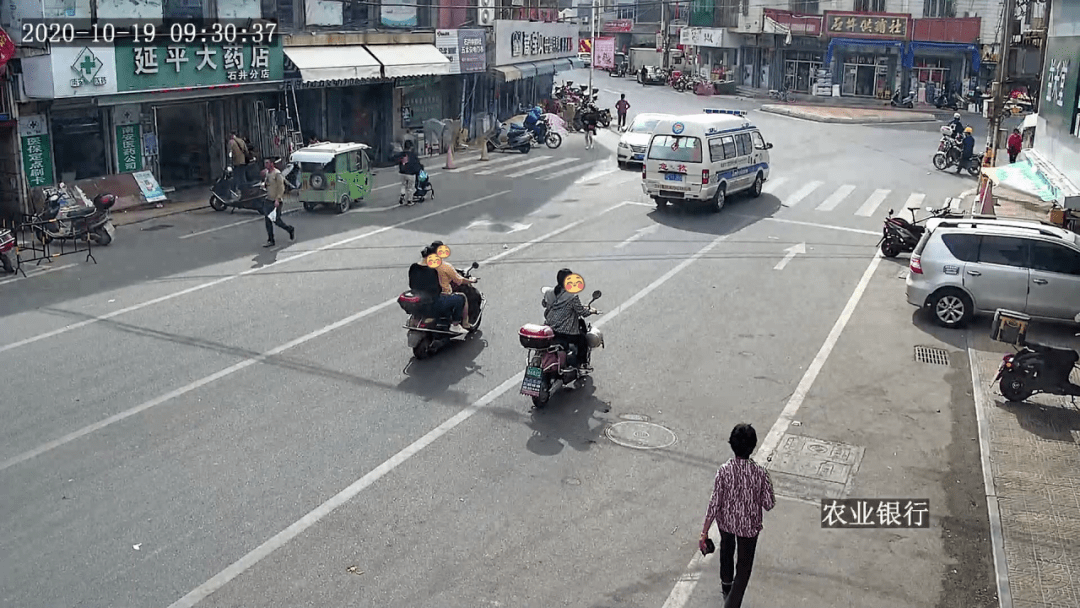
[(916, 264), (704, 176), (642, 170)]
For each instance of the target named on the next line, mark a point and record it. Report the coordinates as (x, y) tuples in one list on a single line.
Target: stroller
[(423, 188)]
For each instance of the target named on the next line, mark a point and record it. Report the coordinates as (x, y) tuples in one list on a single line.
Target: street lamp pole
[(997, 102), (592, 43)]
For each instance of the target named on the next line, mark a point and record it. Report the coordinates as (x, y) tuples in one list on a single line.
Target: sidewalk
[(843, 115), (1032, 452), (847, 102)]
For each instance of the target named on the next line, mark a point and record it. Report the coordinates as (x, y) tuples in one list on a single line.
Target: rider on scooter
[(452, 283), (424, 281), (564, 314)]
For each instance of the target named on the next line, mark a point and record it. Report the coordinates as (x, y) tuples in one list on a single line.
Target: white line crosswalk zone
[(513, 166), (539, 168), (870, 206), (841, 196)]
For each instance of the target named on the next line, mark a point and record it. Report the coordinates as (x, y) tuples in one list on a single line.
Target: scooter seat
[(517, 126), (1067, 354), (80, 212)]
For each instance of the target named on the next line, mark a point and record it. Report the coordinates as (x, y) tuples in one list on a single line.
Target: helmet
[(594, 338), (104, 201), (956, 116), (967, 130)]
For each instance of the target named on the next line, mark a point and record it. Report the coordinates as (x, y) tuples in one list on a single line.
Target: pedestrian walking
[(273, 205), (621, 107), (741, 490), (1014, 145), (408, 167), (590, 120)]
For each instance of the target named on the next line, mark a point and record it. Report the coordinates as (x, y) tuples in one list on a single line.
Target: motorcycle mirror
[(596, 296), (1077, 318), (475, 265)]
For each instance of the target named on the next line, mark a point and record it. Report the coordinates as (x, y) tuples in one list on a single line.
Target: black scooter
[(1038, 368), (901, 236), (429, 334)]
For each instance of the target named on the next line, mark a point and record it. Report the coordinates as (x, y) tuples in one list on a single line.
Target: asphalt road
[(198, 421)]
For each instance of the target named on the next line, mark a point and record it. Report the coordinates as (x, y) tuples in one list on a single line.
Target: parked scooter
[(907, 102), (1038, 368), (60, 221), (7, 245), (427, 334), (948, 152), (549, 364), (246, 183), (901, 236), (507, 138), (951, 101)]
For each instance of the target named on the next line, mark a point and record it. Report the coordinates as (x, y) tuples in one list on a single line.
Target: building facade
[(1056, 152), (333, 70)]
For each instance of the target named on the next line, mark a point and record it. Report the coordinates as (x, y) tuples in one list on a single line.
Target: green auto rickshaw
[(333, 174)]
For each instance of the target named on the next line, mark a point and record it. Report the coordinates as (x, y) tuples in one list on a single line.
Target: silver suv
[(964, 266)]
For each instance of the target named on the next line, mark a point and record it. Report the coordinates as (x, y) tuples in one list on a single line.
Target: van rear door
[(675, 161)]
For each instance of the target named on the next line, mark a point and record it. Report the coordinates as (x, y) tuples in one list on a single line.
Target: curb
[(800, 112)]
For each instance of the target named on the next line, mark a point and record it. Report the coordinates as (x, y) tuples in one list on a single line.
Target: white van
[(705, 158)]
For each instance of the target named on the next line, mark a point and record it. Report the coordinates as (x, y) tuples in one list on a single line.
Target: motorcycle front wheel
[(216, 203), (890, 248), (940, 162), (554, 140), (6, 261)]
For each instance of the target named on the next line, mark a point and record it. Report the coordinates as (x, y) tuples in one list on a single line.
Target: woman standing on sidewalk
[(741, 490)]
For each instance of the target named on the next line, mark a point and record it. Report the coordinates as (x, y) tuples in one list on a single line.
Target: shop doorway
[(799, 72), (78, 144), (183, 144), (866, 76)]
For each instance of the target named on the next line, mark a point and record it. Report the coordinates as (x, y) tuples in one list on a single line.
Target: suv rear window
[(678, 148), (964, 247)]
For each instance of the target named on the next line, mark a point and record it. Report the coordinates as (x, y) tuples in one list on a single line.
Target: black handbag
[(709, 546)]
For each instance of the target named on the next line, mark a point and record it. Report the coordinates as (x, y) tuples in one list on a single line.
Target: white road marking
[(680, 594), (915, 201), (773, 184), (1001, 571), (397, 184), (542, 167), (836, 198), (187, 388), (575, 169), (225, 279), (790, 254), (870, 206), (223, 227), (588, 177), (318, 513), (520, 164), (800, 194), (826, 226), (33, 273), (485, 163), (640, 233)]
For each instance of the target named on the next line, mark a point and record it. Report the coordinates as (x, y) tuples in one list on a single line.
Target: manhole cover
[(931, 355), (640, 435), (157, 227)]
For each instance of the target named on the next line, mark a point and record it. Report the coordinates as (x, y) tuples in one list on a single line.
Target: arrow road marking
[(638, 235), (870, 206), (514, 227), (792, 251), (521, 164), (542, 167), (800, 194), (836, 198)]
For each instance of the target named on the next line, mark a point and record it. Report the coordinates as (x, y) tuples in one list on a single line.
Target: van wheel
[(718, 200), (344, 203), (759, 181), (951, 308), (310, 206)]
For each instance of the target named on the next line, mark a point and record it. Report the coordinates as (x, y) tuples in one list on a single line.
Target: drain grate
[(931, 355)]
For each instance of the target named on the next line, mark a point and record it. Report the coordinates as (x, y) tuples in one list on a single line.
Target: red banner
[(800, 25), (7, 49), (618, 25)]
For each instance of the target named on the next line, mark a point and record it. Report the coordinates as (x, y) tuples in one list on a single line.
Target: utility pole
[(664, 31), (997, 105), (592, 43)]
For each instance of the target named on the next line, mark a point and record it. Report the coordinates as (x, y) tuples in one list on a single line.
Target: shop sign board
[(36, 151), (701, 36), (155, 67), (1061, 91), (604, 53), (524, 41), (466, 50), (149, 186), (617, 25), (128, 148), (881, 26), (401, 13)]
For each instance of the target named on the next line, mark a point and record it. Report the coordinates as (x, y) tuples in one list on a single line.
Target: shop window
[(79, 145), (355, 14), (939, 8), (870, 6), (182, 9), (282, 12), (808, 7)]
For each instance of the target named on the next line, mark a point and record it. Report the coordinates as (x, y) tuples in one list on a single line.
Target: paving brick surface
[(1035, 461), (847, 115)]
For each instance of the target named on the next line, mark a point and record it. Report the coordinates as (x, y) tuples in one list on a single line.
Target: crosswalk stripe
[(870, 206), (476, 164), (542, 167), (773, 183), (521, 164), (800, 194), (915, 201), (574, 169), (836, 198)]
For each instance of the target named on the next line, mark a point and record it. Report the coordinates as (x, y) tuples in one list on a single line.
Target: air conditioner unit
[(517, 2), (485, 12)]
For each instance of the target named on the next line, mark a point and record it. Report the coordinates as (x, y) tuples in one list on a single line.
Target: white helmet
[(956, 116)]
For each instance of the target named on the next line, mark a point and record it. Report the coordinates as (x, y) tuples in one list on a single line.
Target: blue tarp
[(914, 47), (880, 44)]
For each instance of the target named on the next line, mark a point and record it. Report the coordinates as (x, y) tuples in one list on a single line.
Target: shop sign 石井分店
[(149, 67), (526, 41)]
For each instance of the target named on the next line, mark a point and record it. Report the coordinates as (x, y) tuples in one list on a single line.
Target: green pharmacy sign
[(155, 67), (128, 149)]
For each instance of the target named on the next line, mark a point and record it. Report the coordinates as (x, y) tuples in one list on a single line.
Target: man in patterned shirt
[(741, 490)]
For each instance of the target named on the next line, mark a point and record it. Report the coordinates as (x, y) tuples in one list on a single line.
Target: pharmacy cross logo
[(86, 65)]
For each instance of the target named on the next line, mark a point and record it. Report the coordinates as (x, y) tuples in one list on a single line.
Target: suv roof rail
[(1043, 228)]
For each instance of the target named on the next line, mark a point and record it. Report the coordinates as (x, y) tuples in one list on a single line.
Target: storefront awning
[(508, 73), (321, 63), (861, 43), (939, 48), (576, 63), (404, 60), (527, 70), (549, 66)]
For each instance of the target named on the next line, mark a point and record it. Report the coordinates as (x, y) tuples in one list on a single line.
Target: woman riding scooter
[(564, 314)]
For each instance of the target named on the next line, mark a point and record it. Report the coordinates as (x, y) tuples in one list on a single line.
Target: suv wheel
[(951, 308)]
